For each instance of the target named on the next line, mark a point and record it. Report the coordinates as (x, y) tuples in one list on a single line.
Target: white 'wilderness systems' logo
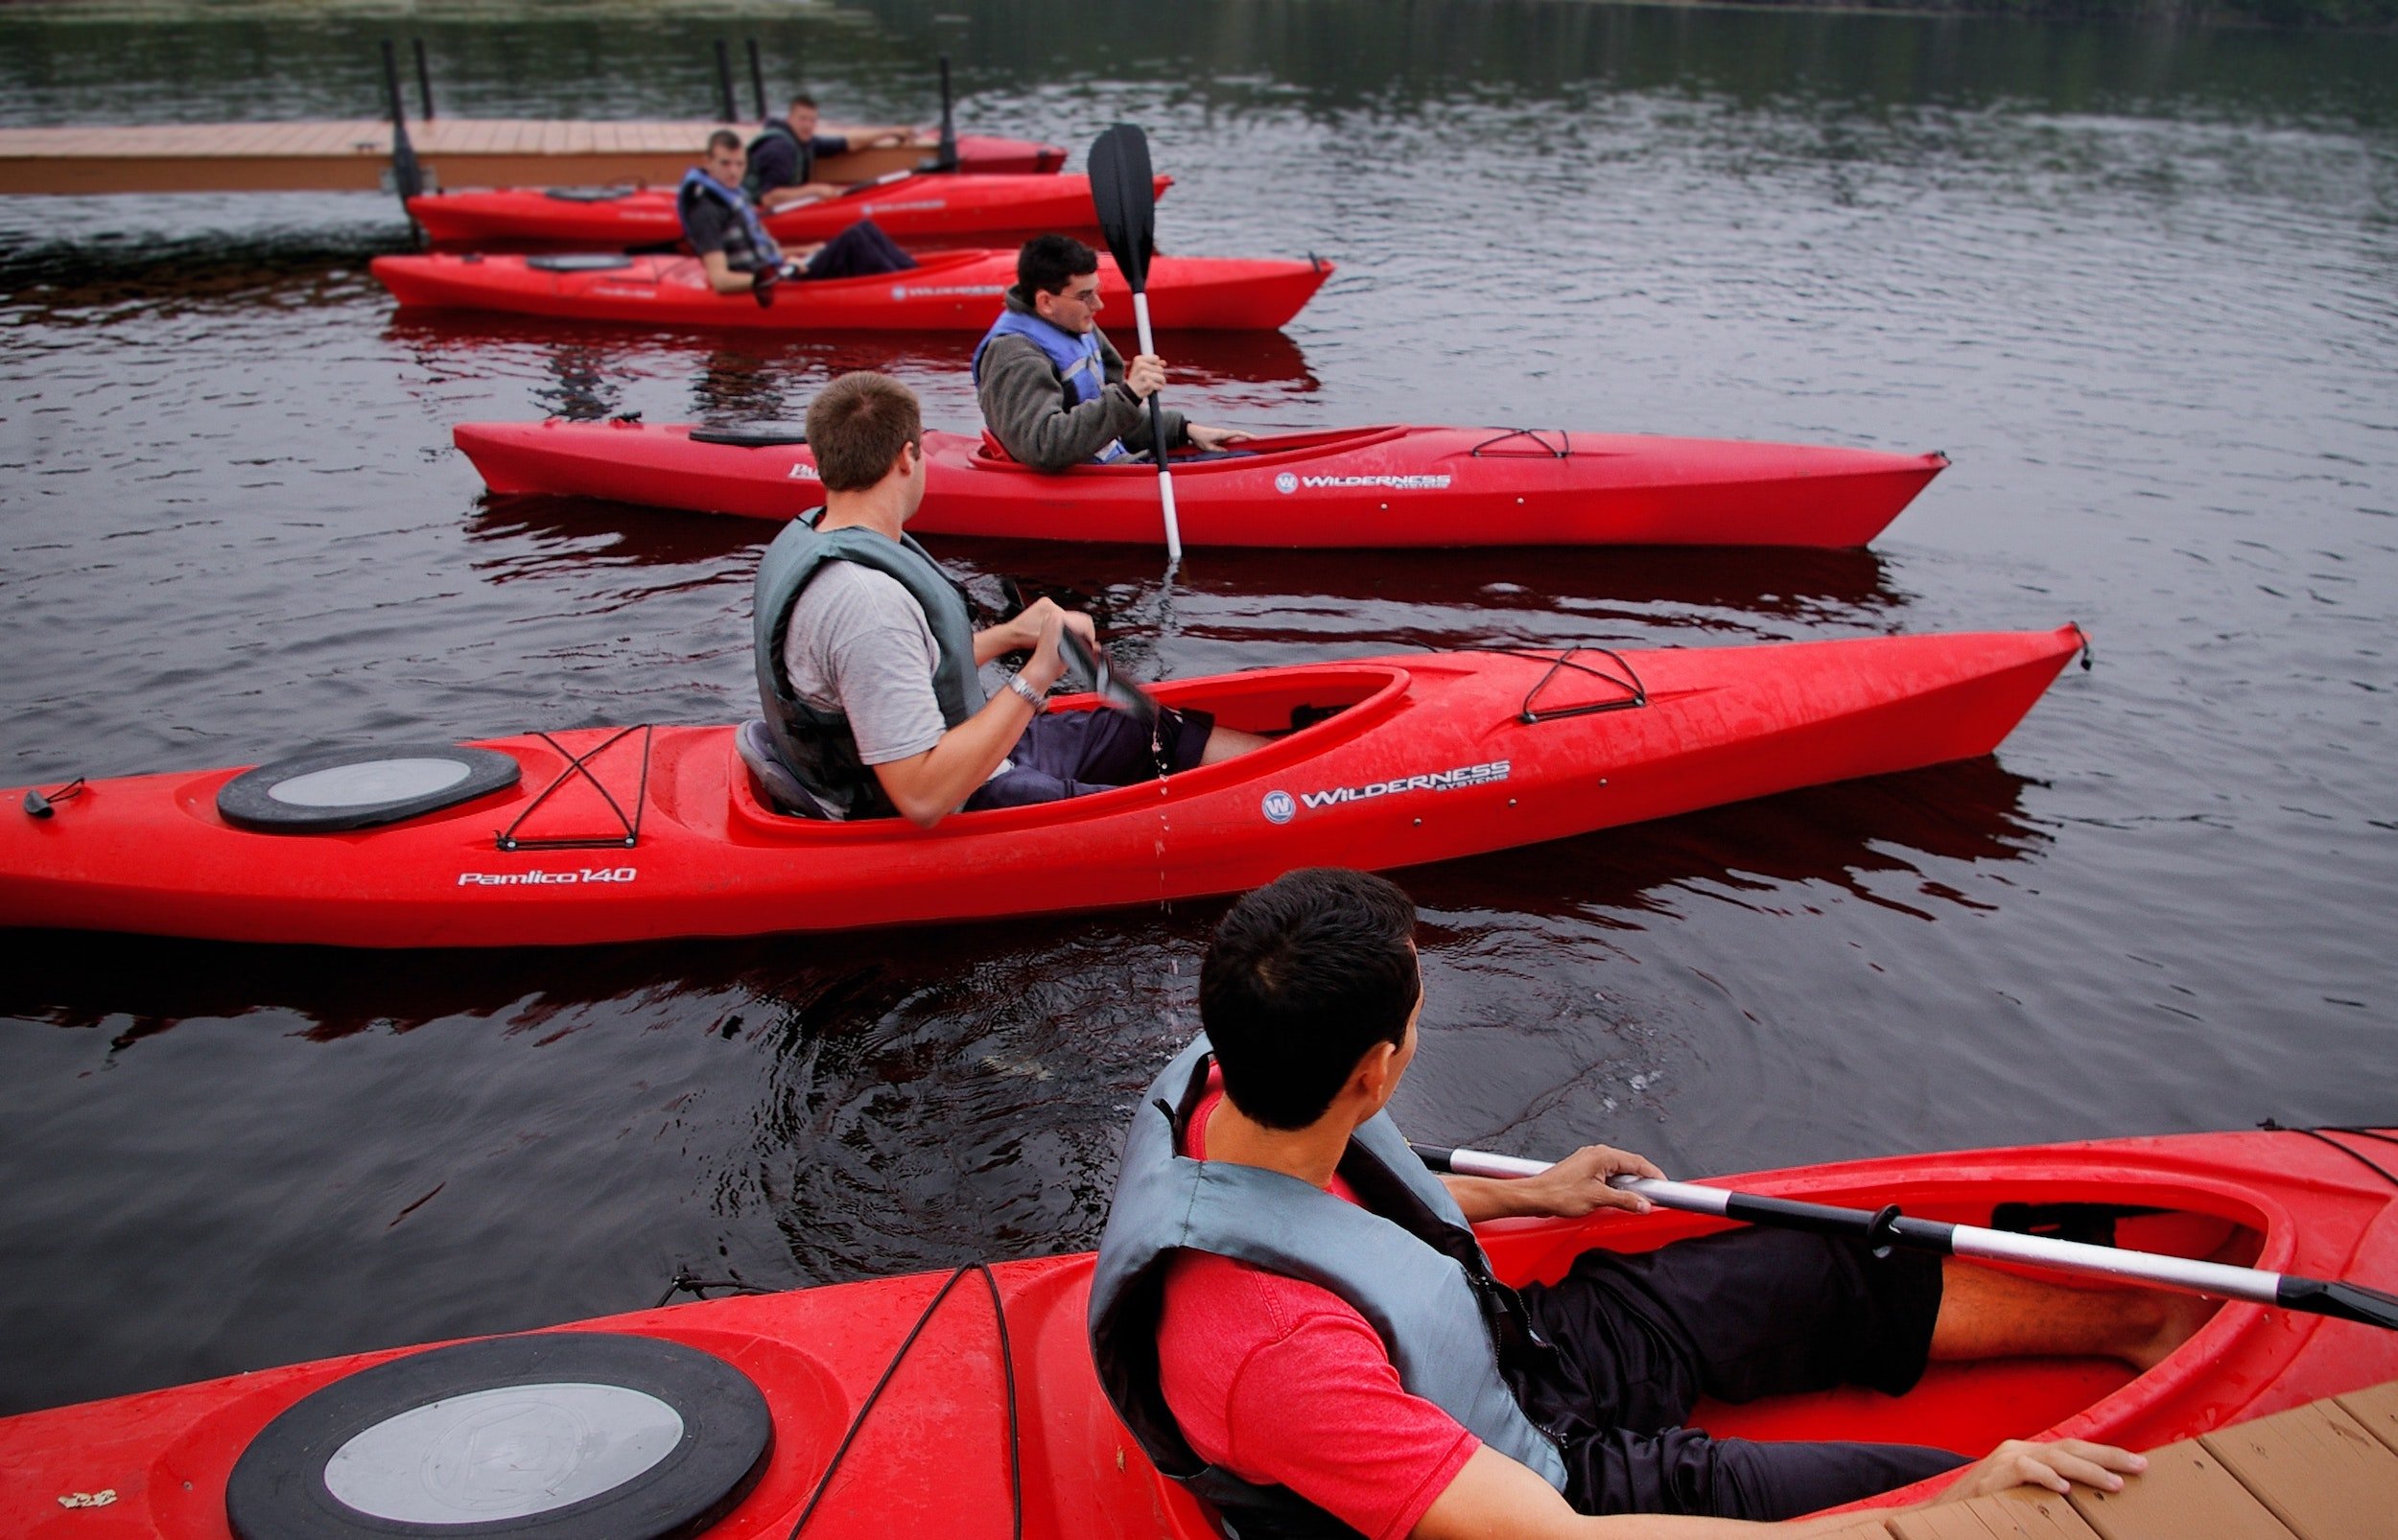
[(803, 471), (538, 878), (1281, 807), (938, 292), (1287, 482)]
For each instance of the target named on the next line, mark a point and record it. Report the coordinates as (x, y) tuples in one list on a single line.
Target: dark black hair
[(723, 139), (800, 98), (1302, 978), (1048, 260)]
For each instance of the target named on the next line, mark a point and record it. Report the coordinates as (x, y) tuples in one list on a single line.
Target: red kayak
[(947, 291), (612, 835), (777, 1379), (910, 207), (1384, 487)]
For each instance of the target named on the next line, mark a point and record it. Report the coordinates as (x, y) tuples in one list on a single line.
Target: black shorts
[(1738, 1316), (1073, 754)]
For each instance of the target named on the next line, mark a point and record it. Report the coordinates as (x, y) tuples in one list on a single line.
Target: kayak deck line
[(354, 154), (2324, 1471), (953, 1410)]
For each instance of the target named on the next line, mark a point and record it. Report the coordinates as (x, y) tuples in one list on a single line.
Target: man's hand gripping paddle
[(1889, 1228), (1120, 694), (1125, 195)]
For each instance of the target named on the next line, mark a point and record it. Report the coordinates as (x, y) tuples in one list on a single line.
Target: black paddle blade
[(2341, 1301), (1125, 195), (1123, 694)]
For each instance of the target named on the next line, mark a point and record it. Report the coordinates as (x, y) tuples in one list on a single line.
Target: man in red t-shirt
[(1334, 1357)]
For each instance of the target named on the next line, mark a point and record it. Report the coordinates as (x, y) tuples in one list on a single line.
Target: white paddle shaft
[(2252, 1284), (1157, 420)]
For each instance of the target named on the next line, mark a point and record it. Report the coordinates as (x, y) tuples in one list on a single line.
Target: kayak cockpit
[(1972, 1407), (1274, 450), (1306, 711)]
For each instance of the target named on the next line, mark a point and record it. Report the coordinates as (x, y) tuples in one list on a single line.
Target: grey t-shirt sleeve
[(859, 644)]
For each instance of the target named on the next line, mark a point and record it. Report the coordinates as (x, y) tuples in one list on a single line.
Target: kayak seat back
[(769, 777), (993, 450)]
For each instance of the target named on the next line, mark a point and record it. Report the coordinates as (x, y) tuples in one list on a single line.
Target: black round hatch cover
[(550, 1436), (358, 788)]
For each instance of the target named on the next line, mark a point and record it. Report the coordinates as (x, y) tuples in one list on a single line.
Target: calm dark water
[(2142, 285)]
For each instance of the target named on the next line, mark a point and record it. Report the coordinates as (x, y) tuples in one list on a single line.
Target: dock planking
[(2325, 1471), (355, 155)]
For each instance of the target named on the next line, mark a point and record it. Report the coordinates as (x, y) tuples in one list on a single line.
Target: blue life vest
[(750, 249), (1077, 361)]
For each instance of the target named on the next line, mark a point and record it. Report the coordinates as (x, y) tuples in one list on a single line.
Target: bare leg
[(1986, 1312), (1224, 742)]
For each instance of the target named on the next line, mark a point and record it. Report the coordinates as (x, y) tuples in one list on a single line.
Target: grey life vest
[(1407, 1261), (818, 745)]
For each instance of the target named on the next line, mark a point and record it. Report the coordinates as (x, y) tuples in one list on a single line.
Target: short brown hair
[(857, 426), (723, 139)]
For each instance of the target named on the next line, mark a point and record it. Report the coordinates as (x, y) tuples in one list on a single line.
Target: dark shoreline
[(2321, 15)]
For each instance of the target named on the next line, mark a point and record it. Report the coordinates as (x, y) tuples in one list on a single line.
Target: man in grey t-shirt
[(863, 655)]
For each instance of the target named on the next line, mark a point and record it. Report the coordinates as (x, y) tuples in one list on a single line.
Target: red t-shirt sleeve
[(1283, 1384)]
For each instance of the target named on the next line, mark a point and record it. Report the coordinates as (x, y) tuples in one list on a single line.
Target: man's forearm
[(999, 641), (928, 787), (1485, 1198)]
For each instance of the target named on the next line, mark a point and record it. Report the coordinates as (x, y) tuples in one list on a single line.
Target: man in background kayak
[(783, 157), (737, 253), (1053, 389), (1293, 1318), (868, 658)]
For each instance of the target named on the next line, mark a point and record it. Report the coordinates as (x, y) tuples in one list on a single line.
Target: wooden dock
[(355, 156), (2327, 1471)]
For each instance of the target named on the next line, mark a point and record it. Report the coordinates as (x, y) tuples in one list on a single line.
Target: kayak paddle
[(1123, 694), (1125, 195), (1888, 1229), (1120, 693)]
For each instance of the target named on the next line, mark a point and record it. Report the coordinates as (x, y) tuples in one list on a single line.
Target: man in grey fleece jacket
[(1055, 390)]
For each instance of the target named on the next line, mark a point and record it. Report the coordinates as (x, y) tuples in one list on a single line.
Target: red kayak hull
[(948, 291), (1376, 487), (1428, 756), (932, 1462), (984, 154), (916, 208)]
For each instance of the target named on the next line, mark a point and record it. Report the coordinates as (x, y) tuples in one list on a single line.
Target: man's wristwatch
[(1032, 697)]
